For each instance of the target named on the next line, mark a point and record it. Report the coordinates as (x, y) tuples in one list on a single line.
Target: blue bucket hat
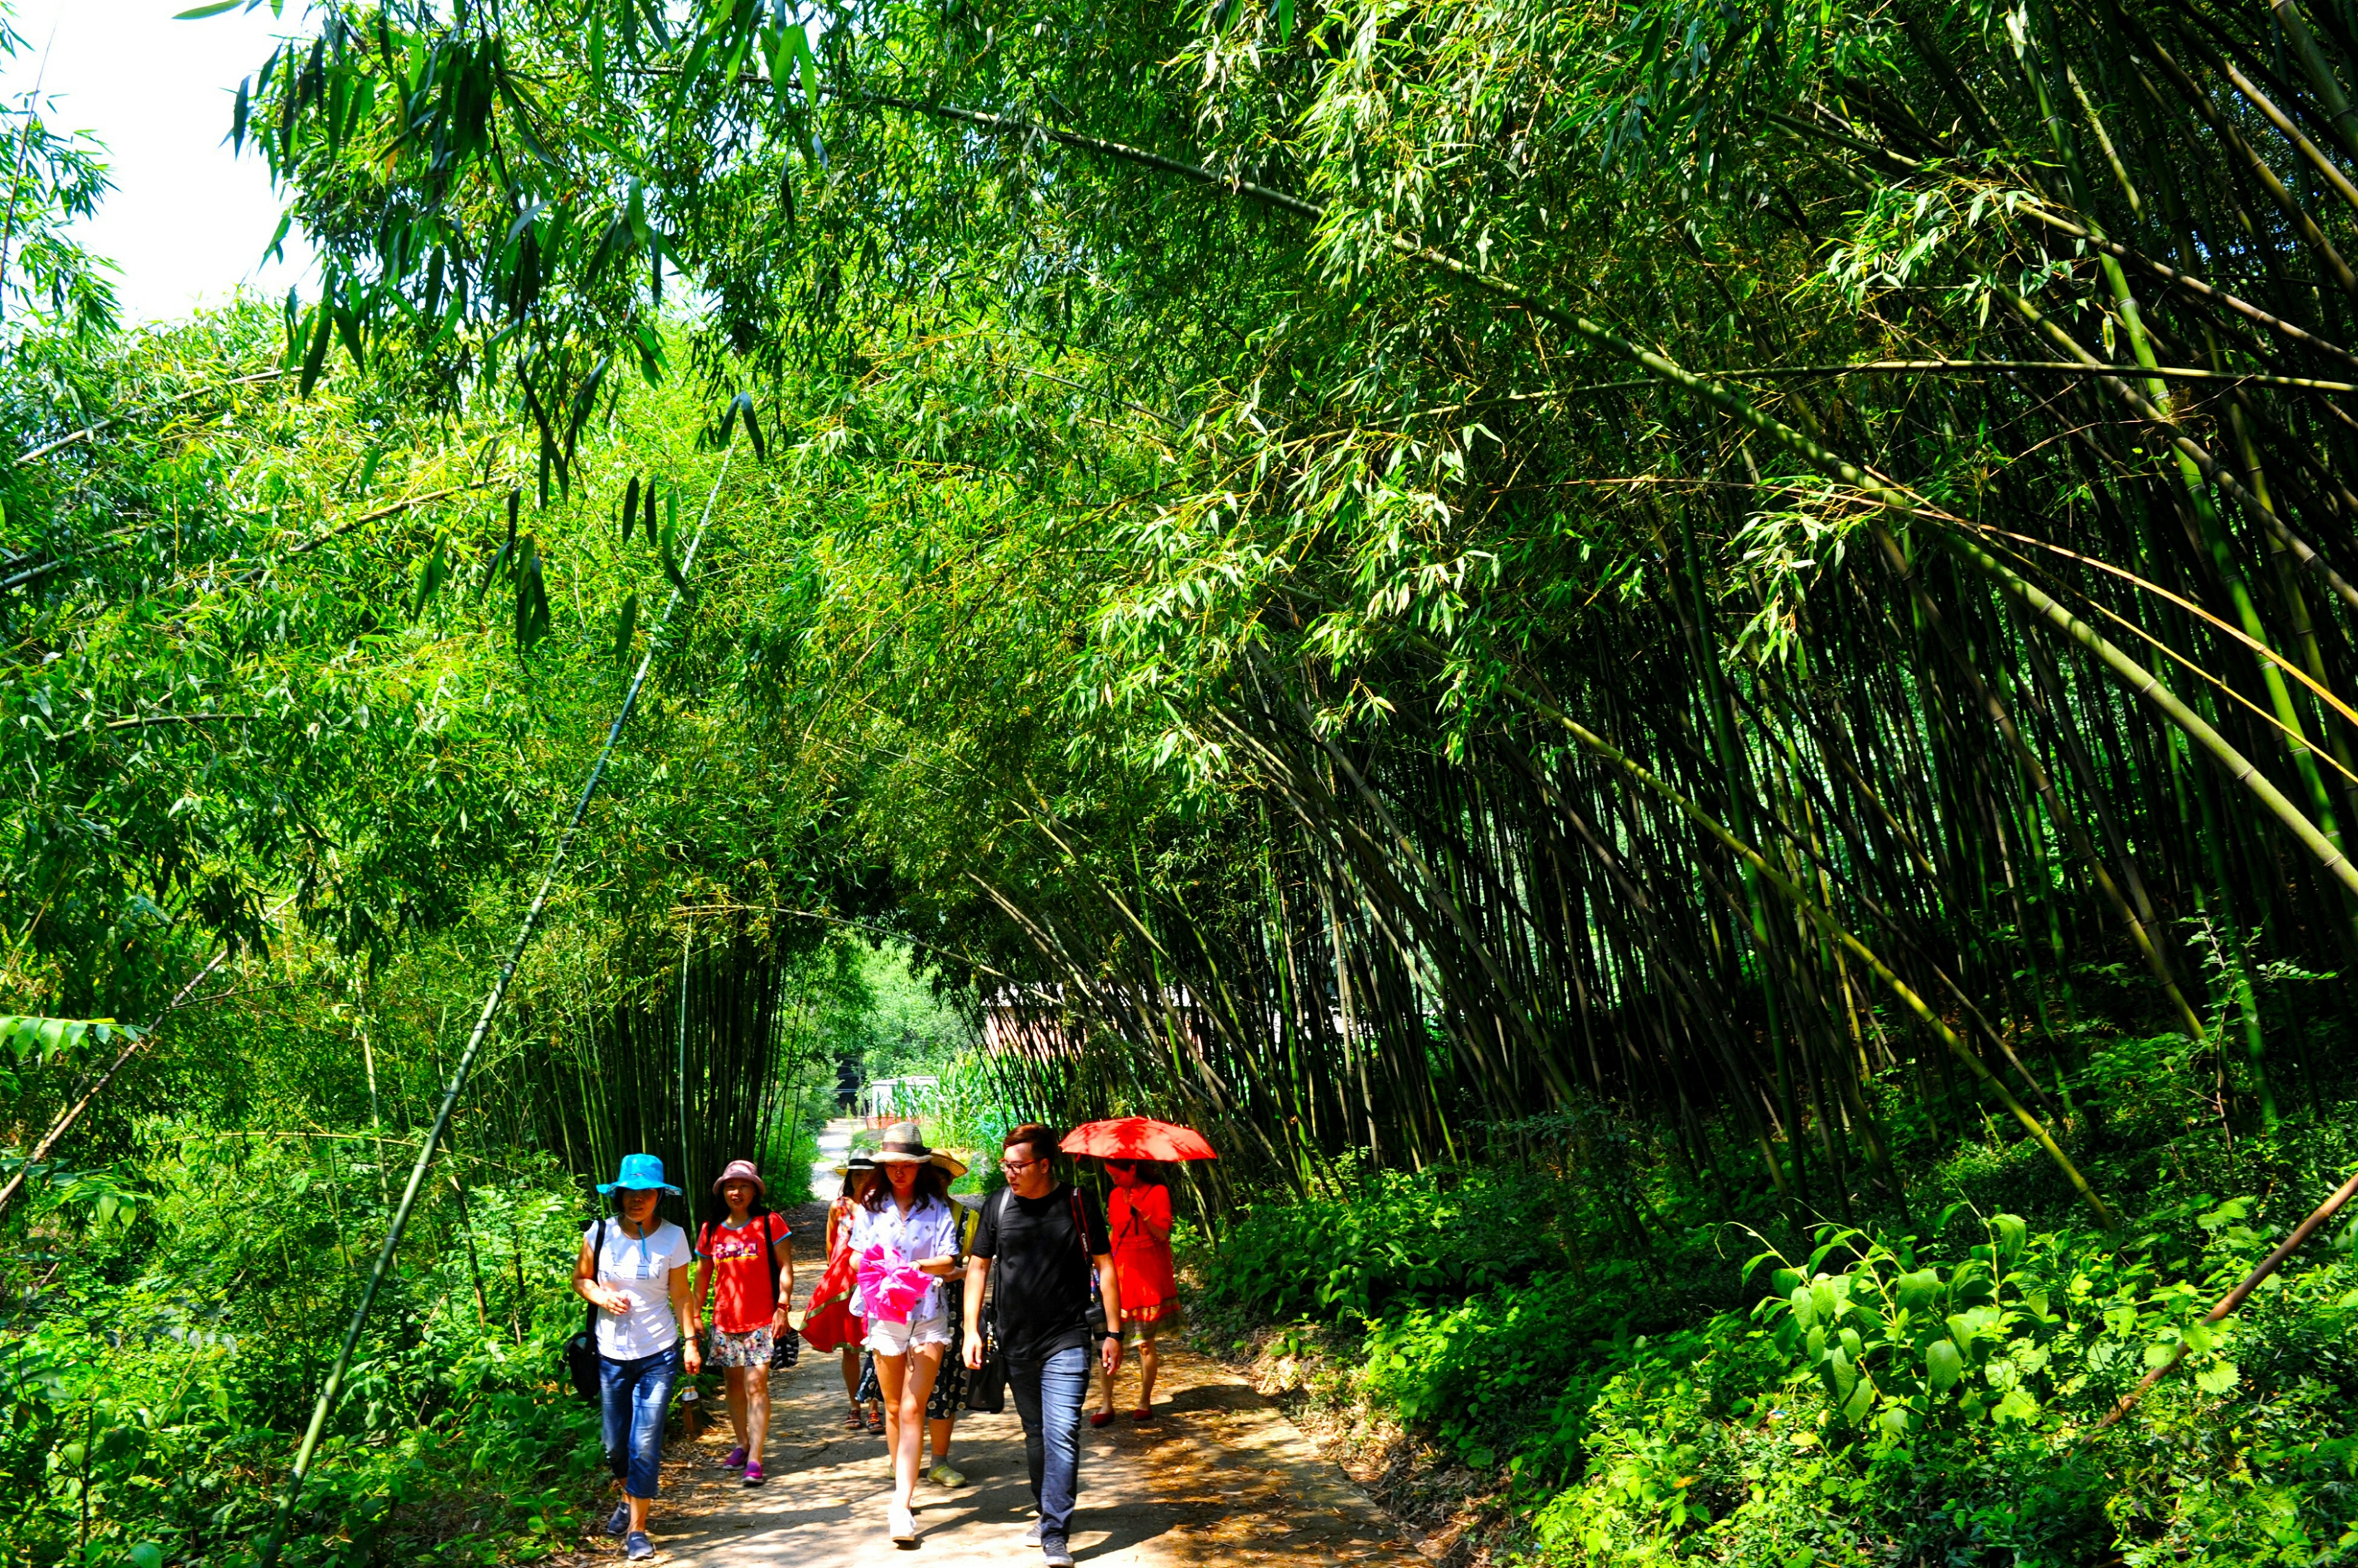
[(640, 1172)]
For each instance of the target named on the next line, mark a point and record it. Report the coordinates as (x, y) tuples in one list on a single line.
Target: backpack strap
[(597, 1260)]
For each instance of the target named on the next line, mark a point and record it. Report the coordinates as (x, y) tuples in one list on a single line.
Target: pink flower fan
[(889, 1285)]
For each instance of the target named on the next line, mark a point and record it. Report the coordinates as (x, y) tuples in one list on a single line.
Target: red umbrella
[(1137, 1138)]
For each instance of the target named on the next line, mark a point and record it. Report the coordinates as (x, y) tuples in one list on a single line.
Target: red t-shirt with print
[(745, 1271)]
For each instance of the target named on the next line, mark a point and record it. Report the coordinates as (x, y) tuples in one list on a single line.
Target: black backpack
[(581, 1350)]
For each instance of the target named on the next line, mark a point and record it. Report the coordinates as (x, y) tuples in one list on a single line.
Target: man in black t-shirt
[(1040, 1238)]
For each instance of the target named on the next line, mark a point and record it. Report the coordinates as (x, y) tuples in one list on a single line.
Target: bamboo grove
[(1774, 566)]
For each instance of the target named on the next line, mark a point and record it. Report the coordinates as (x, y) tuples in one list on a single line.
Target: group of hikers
[(902, 1298)]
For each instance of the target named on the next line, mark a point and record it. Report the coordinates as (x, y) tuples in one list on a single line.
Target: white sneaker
[(904, 1523), (1032, 1536)]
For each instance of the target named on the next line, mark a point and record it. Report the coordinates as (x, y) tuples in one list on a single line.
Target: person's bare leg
[(638, 1511), (735, 1377), (892, 1371), (851, 1373), (757, 1412), (937, 1432), (904, 1416), (1149, 1360)]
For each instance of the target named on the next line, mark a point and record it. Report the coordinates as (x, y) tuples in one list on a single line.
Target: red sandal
[(1142, 1414), (1100, 1418)]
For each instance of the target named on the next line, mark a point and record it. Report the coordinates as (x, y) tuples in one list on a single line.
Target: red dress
[(1140, 1218), (831, 1323)]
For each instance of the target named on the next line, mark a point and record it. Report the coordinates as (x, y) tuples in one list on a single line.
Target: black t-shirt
[(1040, 1270)]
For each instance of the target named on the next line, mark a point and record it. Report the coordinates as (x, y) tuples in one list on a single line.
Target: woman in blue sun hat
[(635, 1270)]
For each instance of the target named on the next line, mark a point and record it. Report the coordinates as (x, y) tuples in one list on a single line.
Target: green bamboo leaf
[(315, 356), (531, 596), (199, 13), (809, 64), (743, 405), (430, 577), (667, 547), (652, 536), (625, 630), (629, 507)]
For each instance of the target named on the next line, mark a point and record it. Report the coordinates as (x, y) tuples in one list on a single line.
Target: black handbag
[(985, 1386), (786, 1345), (581, 1350)]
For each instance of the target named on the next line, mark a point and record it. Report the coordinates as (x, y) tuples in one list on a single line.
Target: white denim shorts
[(900, 1338)]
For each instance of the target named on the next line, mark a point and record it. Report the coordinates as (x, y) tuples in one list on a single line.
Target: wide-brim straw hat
[(741, 1171), (857, 1162), (905, 1145)]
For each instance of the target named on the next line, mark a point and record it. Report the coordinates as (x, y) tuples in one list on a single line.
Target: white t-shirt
[(641, 1269)]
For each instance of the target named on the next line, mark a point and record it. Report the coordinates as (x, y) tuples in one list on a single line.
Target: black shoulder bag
[(985, 1386), (581, 1350)]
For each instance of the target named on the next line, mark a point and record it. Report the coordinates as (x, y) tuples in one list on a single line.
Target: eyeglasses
[(1012, 1166)]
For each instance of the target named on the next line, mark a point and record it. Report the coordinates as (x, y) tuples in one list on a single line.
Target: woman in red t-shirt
[(750, 1252), (1139, 1215)]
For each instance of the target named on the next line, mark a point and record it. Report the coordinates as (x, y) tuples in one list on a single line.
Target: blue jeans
[(1048, 1397), (635, 1394)]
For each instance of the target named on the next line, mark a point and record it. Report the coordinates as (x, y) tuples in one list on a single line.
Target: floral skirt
[(749, 1349)]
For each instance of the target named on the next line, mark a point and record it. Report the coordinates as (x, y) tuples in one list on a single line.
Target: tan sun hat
[(905, 1145)]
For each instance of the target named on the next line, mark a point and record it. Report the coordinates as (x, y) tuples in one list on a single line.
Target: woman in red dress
[(832, 1321), (1140, 1218)]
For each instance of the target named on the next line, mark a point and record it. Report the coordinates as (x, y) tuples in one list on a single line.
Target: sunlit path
[(1219, 1476)]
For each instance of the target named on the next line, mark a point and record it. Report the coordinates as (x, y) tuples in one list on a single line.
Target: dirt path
[(1218, 1476)]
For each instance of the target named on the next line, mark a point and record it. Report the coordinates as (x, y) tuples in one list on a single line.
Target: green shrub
[(1398, 1239), (1905, 1408), (154, 1393)]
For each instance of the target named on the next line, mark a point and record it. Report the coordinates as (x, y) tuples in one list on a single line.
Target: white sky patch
[(187, 223)]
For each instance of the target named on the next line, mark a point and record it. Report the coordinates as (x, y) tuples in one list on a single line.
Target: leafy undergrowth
[(155, 1379), (1480, 1355)]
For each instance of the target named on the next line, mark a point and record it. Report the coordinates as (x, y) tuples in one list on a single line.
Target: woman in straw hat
[(905, 1233), (750, 1252), (634, 1272)]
